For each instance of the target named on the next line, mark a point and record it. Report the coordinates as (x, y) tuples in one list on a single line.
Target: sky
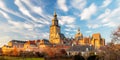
[(31, 19)]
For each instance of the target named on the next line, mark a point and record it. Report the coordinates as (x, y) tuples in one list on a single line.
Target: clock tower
[(55, 34)]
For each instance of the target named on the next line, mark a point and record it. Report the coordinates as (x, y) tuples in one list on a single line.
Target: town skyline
[(30, 20)]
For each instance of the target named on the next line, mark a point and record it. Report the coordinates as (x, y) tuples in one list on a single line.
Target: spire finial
[(78, 29), (55, 13)]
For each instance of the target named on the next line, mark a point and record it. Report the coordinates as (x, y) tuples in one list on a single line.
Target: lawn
[(18, 58)]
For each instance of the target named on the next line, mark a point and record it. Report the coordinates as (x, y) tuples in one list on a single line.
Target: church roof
[(62, 35)]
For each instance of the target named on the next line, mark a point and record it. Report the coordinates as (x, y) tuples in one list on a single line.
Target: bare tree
[(116, 35)]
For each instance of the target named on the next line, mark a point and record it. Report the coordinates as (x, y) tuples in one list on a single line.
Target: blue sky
[(30, 19)]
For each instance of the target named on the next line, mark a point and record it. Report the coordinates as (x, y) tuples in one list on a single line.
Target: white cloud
[(68, 29), (111, 24), (106, 3), (33, 8), (28, 26), (4, 40), (88, 31), (2, 5), (44, 35), (66, 20), (78, 4), (15, 27), (6, 9), (110, 18), (93, 26), (62, 5), (70, 25), (106, 13), (11, 28), (4, 14), (36, 9), (39, 25), (24, 10), (16, 24), (88, 12)]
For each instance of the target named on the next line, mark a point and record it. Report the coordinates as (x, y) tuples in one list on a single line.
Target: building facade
[(97, 41)]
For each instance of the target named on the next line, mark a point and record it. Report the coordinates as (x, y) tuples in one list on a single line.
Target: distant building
[(6, 50), (36, 45), (96, 40), (13, 46), (44, 44), (83, 49), (16, 43), (30, 45)]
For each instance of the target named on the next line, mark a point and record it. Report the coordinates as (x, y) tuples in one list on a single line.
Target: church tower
[(55, 34), (78, 35)]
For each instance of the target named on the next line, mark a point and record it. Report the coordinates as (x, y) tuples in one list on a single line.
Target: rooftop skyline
[(31, 19)]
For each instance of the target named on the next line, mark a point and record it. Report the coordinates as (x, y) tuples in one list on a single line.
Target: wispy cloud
[(66, 20), (6, 9), (62, 5), (88, 31), (22, 30), (88, 12), (93, 25), (107, 19), (106, 3), (3, 40), (23, 10), (78, 4), (112, 20), (106, 13)]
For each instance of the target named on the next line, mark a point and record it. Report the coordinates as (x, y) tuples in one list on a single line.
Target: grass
[(18, 58)]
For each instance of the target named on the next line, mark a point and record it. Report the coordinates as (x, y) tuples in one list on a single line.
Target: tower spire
[(78, 30), (55, 14)]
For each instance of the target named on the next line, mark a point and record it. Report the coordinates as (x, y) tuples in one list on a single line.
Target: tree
[(112, 50), (116, 35)]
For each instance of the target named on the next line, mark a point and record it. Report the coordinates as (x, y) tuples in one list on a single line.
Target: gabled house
[(30, 45), (6, 50), (16, 43)]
